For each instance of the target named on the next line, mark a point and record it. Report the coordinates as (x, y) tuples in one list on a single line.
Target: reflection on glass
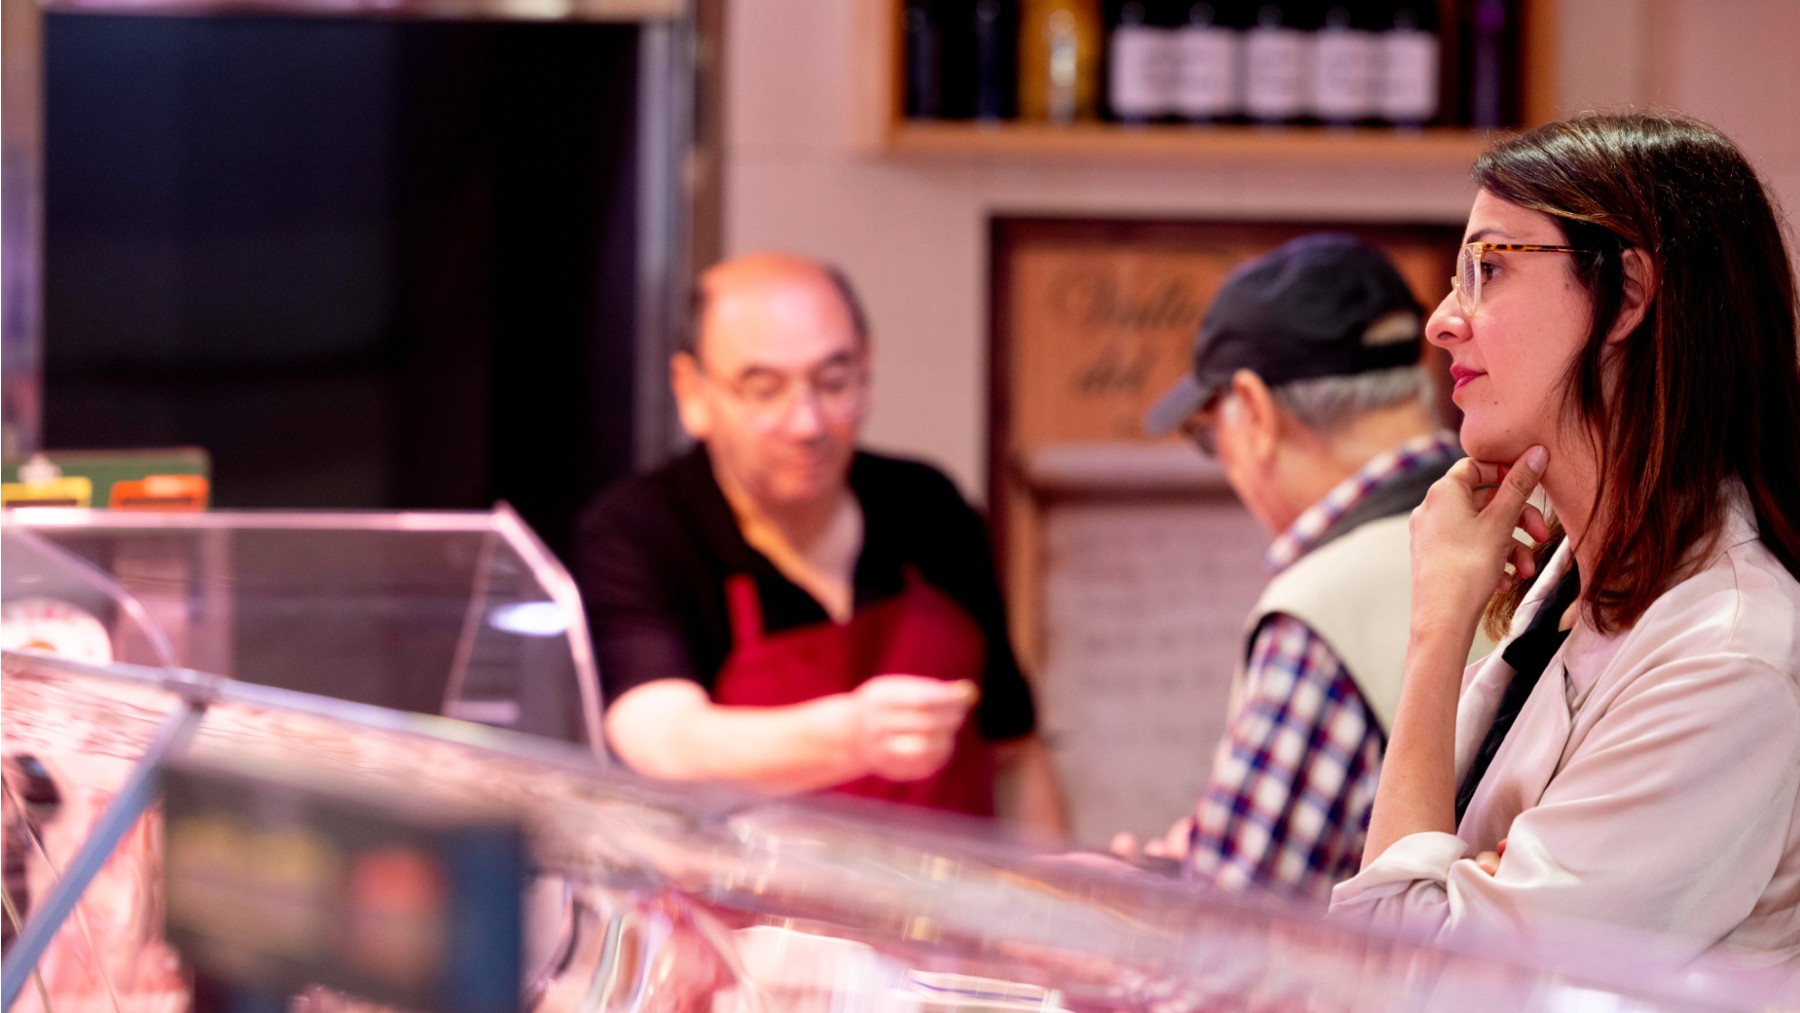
[(683, 898)]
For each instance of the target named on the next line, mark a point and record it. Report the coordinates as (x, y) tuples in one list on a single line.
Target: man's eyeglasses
[(1466, 282), (769, 398), (1202, 426)]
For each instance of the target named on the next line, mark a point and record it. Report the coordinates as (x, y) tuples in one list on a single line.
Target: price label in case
[(274, 884)]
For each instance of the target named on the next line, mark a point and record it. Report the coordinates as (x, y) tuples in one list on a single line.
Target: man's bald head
[(776, 384), (764, 276)]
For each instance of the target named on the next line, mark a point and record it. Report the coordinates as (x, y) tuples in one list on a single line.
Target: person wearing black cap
[(1306, 387)]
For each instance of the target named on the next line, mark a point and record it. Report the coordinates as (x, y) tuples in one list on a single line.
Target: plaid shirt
[(1288, 805)]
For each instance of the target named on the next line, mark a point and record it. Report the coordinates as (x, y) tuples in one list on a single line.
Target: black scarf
[(1528, 654)]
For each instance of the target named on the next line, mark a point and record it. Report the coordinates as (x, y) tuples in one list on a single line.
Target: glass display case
[(460, 614), (633, 895)]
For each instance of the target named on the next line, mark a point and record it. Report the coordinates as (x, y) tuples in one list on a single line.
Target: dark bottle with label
[(960, 59), (994, 28), (1209, 62), (924, 61), (1342, 82), (1408, 63), (1140, 82), (1490, 63), (1277, 61)]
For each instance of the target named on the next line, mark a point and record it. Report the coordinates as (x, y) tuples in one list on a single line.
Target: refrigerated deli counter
[(349, 762)]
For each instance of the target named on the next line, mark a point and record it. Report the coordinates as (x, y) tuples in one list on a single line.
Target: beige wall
[(912, 232)]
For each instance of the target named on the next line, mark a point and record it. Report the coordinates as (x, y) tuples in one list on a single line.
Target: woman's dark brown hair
[(1707, 386)]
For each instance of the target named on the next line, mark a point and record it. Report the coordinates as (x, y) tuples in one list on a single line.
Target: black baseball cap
[(1325, 304)]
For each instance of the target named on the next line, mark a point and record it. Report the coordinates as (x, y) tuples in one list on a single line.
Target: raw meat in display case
[(109, 951)]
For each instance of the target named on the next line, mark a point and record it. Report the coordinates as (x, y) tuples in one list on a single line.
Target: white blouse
[(1651, 781)]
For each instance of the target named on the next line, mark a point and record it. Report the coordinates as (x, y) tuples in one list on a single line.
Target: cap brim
[(1173, 408)]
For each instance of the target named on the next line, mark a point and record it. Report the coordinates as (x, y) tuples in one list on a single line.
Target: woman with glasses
[(1622, 334)]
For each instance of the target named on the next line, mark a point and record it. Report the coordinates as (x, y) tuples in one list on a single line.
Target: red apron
[(920, 631)]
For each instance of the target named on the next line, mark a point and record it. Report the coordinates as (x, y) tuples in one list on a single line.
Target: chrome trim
[(665, 204)]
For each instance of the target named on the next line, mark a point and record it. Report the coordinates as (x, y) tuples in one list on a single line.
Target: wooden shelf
[(879, 129), (1244, 143)]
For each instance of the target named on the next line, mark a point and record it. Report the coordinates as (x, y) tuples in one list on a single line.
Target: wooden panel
[(1102, 317), (1445, 145), (1543, 90)]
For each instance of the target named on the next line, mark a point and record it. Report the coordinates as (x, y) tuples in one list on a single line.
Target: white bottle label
[(1064, 63), (1206, 79), (1343, 78), (1407, 86), (1274, 73), (1140, 81)]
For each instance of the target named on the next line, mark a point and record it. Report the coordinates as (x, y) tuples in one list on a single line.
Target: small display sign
[(275, 885), (160, 492), (69, 491)]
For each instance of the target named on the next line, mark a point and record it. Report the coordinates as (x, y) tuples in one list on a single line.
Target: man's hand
[(1172, 845), (906, 725)]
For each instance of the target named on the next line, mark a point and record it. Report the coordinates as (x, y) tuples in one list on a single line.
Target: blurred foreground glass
[(662, 897)]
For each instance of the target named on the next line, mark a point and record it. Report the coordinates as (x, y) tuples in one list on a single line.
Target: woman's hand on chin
[(1463, 542)]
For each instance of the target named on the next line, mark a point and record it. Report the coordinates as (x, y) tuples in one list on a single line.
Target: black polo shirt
[(652, 555)]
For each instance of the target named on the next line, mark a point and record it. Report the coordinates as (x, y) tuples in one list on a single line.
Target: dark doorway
[(365, 264)]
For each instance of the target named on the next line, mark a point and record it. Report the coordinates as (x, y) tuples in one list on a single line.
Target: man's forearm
[(662, 732)]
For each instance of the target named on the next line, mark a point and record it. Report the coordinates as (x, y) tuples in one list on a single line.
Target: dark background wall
[(366, 264)]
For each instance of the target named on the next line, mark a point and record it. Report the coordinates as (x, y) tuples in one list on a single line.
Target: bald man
[(779, 609)]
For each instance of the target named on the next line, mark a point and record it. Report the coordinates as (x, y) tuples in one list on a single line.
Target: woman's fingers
[(1524, 563), (1520, 566), (1531, 520), (1474, 475), (1520, 482), (1508, 485), (1463, 535), (1489, 861)]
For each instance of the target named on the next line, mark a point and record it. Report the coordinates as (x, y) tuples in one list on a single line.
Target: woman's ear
[(1637, 278), (691, 404)]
